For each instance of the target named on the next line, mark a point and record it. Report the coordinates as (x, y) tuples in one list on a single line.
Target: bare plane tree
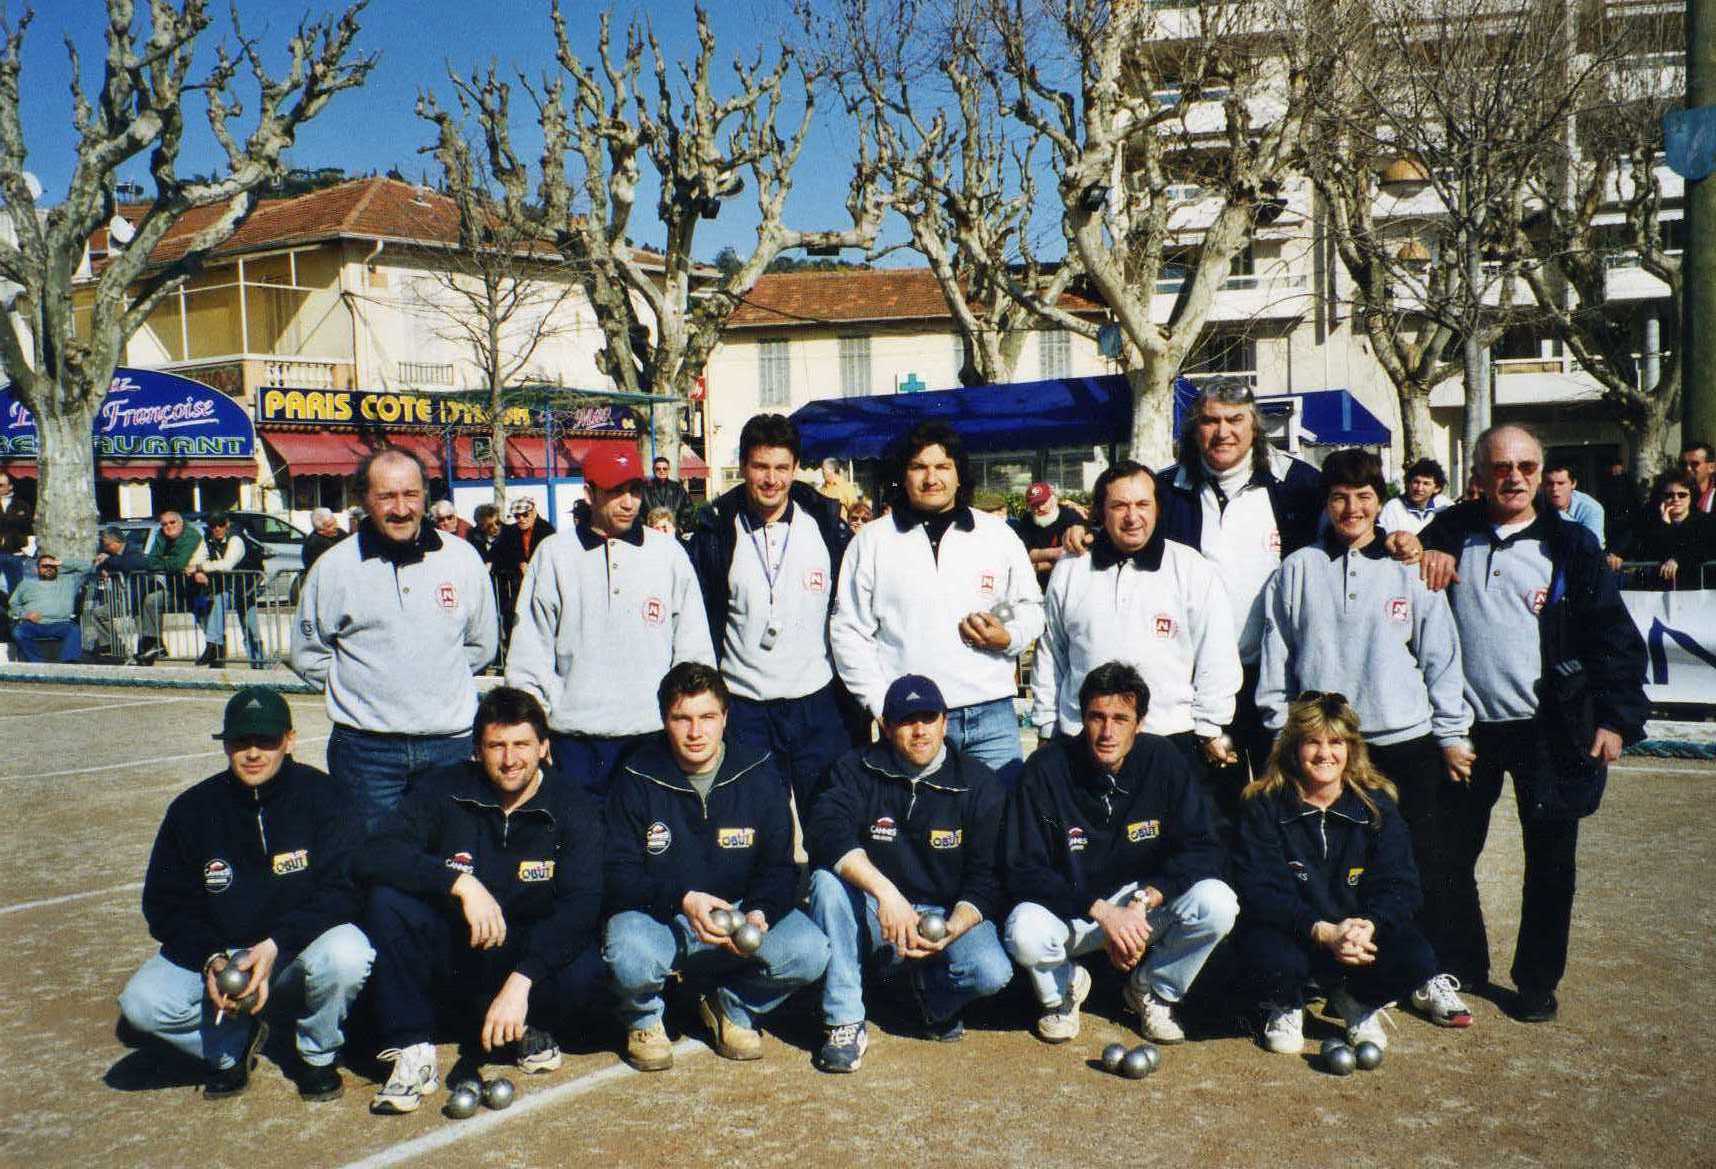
[(503, 292), (61, 364), (603, 122)]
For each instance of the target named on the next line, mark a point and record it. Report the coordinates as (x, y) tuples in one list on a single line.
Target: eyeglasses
[(1329, 700), (1503, 470)]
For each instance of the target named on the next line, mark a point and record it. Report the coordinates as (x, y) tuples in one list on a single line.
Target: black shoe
[(218, 661), (210, 652), (1536, 1006), (319, 1083), (149, 652), (224, 1082)]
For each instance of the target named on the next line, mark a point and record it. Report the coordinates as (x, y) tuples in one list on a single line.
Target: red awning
[(692, 467), (320, 452), (150, 470), (527, 456)]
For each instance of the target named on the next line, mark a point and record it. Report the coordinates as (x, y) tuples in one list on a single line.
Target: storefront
[(160, 441), (314, 439)]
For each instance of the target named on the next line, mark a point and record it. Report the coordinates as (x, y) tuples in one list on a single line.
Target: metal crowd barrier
[(1642, 576), (248, 613)]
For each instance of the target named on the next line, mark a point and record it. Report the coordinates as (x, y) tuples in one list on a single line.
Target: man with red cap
[(604, 612), (1049, 529)]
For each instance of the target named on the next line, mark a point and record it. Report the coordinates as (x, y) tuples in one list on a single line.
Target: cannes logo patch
[(735, 837), (946, 837), (1076, 839), (217, 876), (461, 862), (533, 872), (1143, 830), (295, 861), (883, 829), (658, 838)]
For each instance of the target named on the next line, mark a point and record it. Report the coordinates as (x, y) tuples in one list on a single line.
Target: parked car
[(282, 543)]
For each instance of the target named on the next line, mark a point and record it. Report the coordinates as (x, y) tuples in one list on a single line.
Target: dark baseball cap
[(912, 694), (255, 710)]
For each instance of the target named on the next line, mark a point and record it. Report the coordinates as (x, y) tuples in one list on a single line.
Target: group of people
[(1258, 714)]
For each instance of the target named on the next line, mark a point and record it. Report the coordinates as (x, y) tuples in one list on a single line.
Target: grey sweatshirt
[(796, 603), (599, 622), (396, 644), (1502, 588), (1363, 625)]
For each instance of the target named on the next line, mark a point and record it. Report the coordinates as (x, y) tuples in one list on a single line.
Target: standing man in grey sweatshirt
[(605, 610), (1555, 675), (393, 624), (1340, 616)]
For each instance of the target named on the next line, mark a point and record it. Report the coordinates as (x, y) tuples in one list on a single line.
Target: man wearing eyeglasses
[(1554, 672)]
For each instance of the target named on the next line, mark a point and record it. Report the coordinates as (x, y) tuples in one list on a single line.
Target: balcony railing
[(1243, 283)]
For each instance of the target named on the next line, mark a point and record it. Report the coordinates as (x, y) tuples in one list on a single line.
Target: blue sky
[(374, 128)]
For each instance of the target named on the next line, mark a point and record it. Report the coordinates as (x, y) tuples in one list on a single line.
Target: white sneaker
[(1284, 1030), (1155, 1017), (1060, 1023), (1437, 1001), (1363, 1026), (414, 1077)]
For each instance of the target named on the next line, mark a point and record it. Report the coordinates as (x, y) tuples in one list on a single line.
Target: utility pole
[(1698, 331)]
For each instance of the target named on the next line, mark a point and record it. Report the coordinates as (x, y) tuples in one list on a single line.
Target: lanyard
[(761, 548)]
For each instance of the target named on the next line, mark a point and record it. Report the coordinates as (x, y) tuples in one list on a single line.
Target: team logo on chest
[(735, 837), (1164, 626), (1536, 599), (946, 837), (217, 876), (295, 861), (883, 829), (461, 862), (447, 596), (986, 582), (1143, 830), (658, 837), (1076, 839), (1398, 610), (533, 872), (654, 611), (815, 580)]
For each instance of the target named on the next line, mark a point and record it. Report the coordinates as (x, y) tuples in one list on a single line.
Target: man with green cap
[(252, 867)]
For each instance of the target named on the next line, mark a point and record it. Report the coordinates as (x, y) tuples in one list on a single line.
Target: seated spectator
[(447, 519), (1673, 535), (123, 581), (43, 610), (1326, 882)]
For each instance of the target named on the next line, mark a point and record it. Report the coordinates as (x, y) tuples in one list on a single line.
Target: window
[(1054, 353), (855, 367), (774, 374), (1226, 354)]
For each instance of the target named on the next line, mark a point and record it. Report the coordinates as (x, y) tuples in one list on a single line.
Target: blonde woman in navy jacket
[(1327, 886)]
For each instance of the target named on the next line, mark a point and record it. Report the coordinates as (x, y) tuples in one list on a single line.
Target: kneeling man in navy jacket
[(697, 824)]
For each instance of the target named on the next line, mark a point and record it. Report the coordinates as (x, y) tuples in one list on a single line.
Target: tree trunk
[(1152, 386), (665, 429), (66, 517), (1415, 425), (1650, 437), (497, 442)]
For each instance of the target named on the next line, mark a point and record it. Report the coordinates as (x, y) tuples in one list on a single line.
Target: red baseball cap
[(1038, 494), (612, 467)]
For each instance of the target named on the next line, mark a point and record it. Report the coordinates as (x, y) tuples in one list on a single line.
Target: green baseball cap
[(255, 710)]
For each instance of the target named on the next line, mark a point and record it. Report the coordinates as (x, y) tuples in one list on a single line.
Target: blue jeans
[(379, 768), (592, 760), (641, 952), (33, 636), (989, 732), (167, 1001), (973, 966), (805, 734), (1182, 934)]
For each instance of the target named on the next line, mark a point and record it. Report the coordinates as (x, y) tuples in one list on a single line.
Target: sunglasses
[(1503, 470), (1331, 701)]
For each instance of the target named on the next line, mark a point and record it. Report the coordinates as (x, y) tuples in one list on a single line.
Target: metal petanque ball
[(1154, 1054), (231, 980), (462, 1103), (499, 1093), (1368, 1055), (1136, 1064), (722, 920), (932, 927), (1002, 611), (1340, 1060), (747, 939), (1113, 1056)]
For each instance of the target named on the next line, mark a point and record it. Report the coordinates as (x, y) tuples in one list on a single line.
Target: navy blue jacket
[(542, 863), (1297, 502), (1297, 864), (1593, 658), (1075, 834), (665, 841), (233, 865), (712, 546), (934, 837)]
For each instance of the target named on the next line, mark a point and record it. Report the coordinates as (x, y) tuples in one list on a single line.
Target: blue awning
[(1336, 418), (1017, 416)]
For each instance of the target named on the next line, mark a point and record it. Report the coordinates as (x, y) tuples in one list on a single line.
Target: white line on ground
[(133, 763), (115, 692), (23, 905), (88, 709), (527, 1103)]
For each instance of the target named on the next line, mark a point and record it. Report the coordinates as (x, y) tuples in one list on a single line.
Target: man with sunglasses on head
[(1554, 672), (1341, 616), (604, 611), (252, 866)]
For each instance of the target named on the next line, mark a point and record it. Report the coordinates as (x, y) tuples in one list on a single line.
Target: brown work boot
[(648, 1049), (731, 1040)]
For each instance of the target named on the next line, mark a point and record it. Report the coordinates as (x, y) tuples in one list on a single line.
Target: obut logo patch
[(735, 837), (295, 861)]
